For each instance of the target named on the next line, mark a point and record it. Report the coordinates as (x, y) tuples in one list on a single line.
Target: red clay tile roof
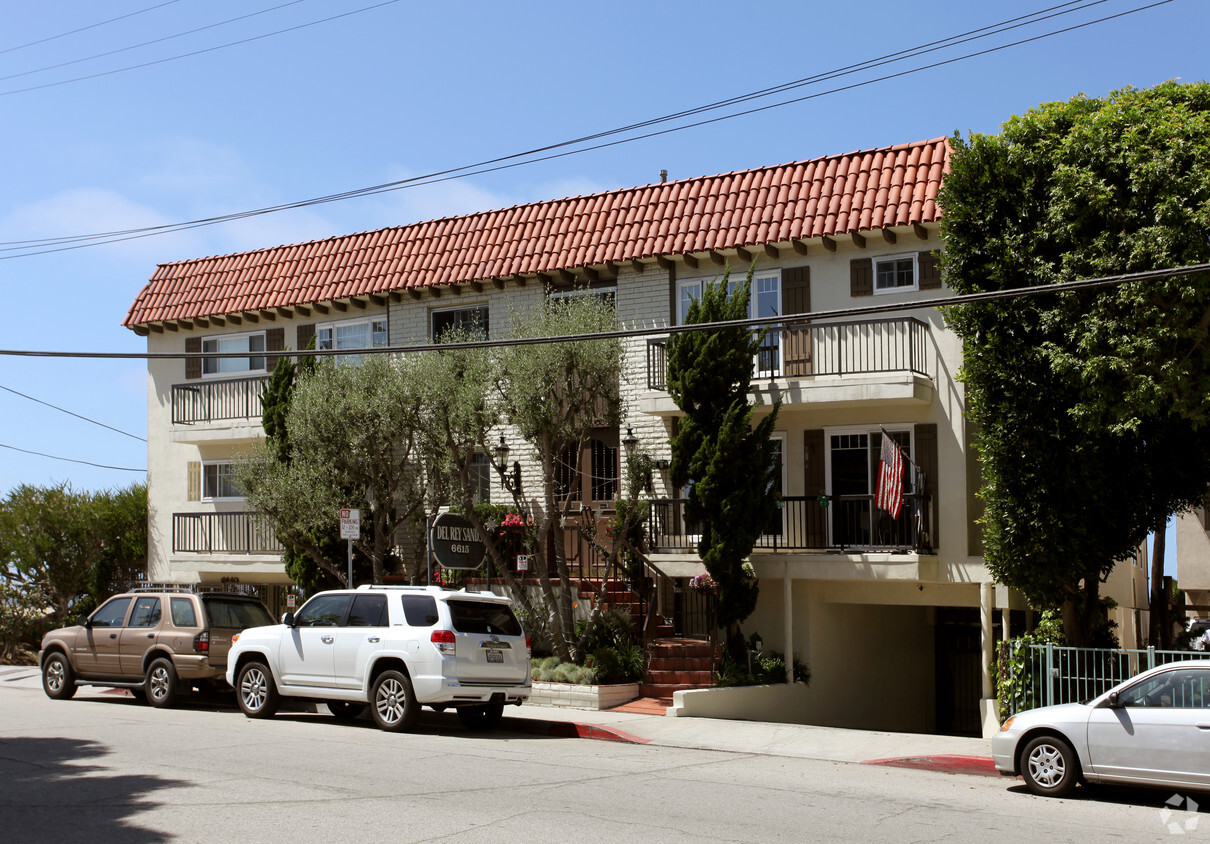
[(859, 191)]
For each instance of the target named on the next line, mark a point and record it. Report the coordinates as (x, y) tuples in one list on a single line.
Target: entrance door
[(959, 650), (97, 651)]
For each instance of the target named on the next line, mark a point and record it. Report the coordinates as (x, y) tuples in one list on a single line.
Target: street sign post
[(350, 529)]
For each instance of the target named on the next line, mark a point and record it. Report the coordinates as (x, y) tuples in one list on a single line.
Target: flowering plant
[(703, 582), (513, 520)]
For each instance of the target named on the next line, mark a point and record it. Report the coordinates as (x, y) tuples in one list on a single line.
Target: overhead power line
[(560, 149), (86, 28), (813, 318), (71, 459), (71, 413)]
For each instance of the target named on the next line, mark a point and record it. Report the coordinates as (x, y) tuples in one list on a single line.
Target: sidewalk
[(951, 754)]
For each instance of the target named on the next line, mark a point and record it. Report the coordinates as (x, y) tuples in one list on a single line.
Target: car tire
[(484, 717), (345, 710), (1049, 766), (255, 691), (58, 677), (393, 703), (161, 685)]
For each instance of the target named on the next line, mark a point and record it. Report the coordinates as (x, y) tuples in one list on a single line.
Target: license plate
[(495, 656)]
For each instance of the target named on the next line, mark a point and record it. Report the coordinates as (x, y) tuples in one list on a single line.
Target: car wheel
[(483, 717), (58, 678), (345, 710), (255, 692), (161, 683), (1050, 767), (393, 701)]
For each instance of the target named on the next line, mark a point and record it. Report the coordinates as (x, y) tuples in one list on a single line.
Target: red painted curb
[(571, 729), (981, 766)]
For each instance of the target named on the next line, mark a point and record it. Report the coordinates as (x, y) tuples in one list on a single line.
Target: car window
[(322, 611), (237, 615), (419, 610), (112, 613), (368, 611), (482, 617), (146, 612), (183, 614), (1186, 688)]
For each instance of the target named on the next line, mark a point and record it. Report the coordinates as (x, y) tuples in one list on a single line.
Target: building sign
[(456, 543), (350, 524), (523, 562)]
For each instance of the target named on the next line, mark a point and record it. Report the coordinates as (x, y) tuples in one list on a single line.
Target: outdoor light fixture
[(502, 452), (508, 480), (630, 440)]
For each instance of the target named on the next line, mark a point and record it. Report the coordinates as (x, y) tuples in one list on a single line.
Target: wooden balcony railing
[(223, 533), (898, 344), (215, 401)]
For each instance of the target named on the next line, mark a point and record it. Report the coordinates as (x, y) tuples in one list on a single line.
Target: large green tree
[(1088, 407), (727, 462)]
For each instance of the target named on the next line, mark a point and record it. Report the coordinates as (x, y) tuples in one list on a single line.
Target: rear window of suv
[(482, 617), (237, 615)]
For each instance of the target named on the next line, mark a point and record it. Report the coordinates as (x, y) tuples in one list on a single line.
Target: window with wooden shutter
[(796, 298), (306, 333), (814, 485), (194, 492), (926, 459), (275, 341), (193, 366), (929, 267), (861, 277)]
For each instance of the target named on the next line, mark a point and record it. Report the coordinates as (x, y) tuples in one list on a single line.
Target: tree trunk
[(1160, 634)]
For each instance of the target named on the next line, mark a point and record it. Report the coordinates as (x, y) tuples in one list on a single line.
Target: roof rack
[(183, 589)]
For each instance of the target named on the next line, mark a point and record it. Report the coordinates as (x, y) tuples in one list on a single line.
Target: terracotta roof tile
[(858, 191)]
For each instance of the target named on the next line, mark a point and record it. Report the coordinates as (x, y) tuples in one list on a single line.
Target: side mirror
[(1113, 701), (288, 619), (83, 621)]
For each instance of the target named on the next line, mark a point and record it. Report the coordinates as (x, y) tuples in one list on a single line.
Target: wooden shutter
[(928, 264), (926, 459), (974, 504), (275, 341), (195, 481), (814, 485), (861, 277), (193, 366), (796, 299), (306, 333)]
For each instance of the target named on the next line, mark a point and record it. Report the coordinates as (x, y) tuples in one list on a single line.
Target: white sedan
[(1153, 729)]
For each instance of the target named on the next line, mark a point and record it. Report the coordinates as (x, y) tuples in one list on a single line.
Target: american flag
[(890, 478)]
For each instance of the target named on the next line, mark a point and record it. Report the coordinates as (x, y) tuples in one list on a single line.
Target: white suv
[(393, 647)]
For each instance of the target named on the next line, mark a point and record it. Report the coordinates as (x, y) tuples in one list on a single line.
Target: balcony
[(832, 524), (223, 533), (896, 346), (204, 402)]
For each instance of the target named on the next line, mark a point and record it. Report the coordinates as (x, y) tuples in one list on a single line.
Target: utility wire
[(145, 43), (47, 245), (86, 28), (71, 459), (198, 52), (70, 413), (814, 319)]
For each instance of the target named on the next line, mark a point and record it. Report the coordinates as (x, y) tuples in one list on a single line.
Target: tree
[(62, 549), (353, 434), (727, 463), (1088, 407)]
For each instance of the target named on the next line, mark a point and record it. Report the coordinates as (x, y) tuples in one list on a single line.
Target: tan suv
[(157, 643)]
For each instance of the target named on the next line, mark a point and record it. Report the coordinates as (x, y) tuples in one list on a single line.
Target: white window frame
[(906, 256), (221, 338), (684, 292), (783, 440), (603, 291), (205, 496), (871, 468), (482, 306), (332, 328)]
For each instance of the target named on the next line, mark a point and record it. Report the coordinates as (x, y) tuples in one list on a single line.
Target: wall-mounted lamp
[(662, 463), (630, 440), (508, 480)]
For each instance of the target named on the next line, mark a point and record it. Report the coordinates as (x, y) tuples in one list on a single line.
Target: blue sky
[(390, 91)]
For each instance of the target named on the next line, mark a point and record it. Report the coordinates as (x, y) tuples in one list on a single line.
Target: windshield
[(238, 615), (482, 617)]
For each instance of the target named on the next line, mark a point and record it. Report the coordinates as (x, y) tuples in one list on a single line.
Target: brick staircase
[(676, 665), (620, 596)]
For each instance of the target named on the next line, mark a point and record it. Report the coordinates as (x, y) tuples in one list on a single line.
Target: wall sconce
[(508, 480), (662, 463), (630, 440)]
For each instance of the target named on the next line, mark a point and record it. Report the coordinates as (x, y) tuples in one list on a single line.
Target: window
[(853, 462), (352, 334), (895, 273), (419, 610), (146, 612), (249, 344), (483, 617), (764, 300), (481, 478), (112, 614), (218, 482), (472, 320), (322, 611), (182, 613), (368, 611)]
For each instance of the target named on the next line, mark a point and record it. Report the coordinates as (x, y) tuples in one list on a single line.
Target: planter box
[(575, 696)]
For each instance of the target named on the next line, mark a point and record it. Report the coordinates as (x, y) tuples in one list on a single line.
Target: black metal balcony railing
[(214, 401), (838, 348), (223, 533), (848, 522)]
